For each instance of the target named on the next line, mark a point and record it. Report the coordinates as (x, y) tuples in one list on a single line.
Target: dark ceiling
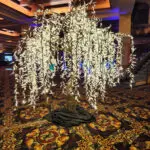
[(12, 19), (16, 13)]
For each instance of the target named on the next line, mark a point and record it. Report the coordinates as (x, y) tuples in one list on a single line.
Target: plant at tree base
[(95, 51)]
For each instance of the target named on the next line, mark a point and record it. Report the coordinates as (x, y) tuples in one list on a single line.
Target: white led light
[(99, 49)]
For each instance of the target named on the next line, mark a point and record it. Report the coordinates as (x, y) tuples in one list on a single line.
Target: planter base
[(66, 118)]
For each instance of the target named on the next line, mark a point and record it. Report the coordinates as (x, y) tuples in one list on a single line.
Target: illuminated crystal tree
[(95, 51)]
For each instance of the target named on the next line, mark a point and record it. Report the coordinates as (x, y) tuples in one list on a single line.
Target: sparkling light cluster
[(95, 51)]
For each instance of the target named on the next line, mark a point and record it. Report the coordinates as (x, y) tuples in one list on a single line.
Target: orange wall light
[(101, 4), (1, 18)]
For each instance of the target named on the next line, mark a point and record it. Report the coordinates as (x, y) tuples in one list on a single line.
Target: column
[(125, 27), (126, 52), (125, 24)]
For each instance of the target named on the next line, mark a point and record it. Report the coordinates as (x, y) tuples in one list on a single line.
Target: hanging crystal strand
[(16, 86), (96, 65), (75, 68), (89, 61), (82, 41), (132, 61), (43, 52), (22, 78), (46, 55), (15, 68), (86, 81), (95, 58), (34, 89)]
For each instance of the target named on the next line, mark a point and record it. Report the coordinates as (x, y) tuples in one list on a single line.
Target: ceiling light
[(9, 41), (1, 18), (11, 31), (16, 34), (4, 29)]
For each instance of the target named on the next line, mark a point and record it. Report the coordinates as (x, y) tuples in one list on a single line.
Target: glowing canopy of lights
[(93, 52)]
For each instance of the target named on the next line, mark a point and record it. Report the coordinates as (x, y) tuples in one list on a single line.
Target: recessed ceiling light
[(9, 41), (7, 30), (8, 33), (4, 29), (11, 31)]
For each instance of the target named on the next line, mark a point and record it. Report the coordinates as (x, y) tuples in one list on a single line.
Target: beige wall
[(125, 24), (125, 27)]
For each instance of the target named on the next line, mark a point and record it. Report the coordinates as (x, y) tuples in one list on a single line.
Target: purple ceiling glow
[(35, 25)]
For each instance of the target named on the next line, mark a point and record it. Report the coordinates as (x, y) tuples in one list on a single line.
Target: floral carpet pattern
[(122, 123), (29, 114)]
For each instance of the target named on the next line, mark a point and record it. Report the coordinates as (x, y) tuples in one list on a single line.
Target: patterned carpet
[(122, 122)]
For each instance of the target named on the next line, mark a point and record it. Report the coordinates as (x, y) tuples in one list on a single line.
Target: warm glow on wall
[(9, 41), (101, 4), (1, 50), (1, 18), (4, 29)]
